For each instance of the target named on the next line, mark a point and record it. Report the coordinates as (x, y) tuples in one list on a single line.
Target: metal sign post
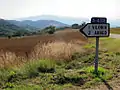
[(97, 28), (96, 56)]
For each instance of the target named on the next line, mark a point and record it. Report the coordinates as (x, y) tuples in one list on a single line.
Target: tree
[(82, 25), (75, 26), (18, 33), (9, 36), (50, 29)]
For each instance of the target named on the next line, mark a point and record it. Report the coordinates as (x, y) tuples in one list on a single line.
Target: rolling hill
[(23, 24), (8, 28)]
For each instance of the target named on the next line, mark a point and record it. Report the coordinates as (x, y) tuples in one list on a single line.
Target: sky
[(10, 9)]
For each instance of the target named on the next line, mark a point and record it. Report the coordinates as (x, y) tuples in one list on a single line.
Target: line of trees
[(77, 26)]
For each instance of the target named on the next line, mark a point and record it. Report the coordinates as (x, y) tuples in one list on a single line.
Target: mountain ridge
[(38, 24), (68, 20), (63, 19)]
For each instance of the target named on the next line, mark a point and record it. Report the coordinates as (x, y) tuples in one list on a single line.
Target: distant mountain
[(68, 20), (29, 24)]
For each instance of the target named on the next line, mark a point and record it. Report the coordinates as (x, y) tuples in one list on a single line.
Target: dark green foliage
[(63, 79), (74, 65), (75, 26), (87, 58), (62, 28), (45, 70), (9, 37), (10, 30), (117, 53), (49, 30), (9, 85)]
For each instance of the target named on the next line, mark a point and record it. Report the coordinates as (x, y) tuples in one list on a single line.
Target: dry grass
[(8, 59), (59, 46), (55, 50)]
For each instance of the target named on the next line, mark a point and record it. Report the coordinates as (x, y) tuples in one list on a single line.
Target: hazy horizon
[(68, 8)]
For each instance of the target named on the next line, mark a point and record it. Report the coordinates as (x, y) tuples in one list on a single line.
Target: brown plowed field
[(24, 45)]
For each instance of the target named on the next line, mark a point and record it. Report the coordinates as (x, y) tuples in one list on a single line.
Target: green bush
[(32, 69), (46, 66), (6, 75), (9, 85)]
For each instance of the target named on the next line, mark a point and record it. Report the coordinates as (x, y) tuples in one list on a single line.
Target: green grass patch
[(89, 46), (32, 69), (102, 73), (110, 44)]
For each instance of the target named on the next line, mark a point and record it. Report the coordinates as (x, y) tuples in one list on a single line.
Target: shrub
[(75, 26), (33, 68), (9, 85), (46, 66)]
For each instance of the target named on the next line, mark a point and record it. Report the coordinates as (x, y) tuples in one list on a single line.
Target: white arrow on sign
[(96, 30)]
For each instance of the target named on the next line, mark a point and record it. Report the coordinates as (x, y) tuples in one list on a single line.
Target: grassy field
[(115, 30), (63, 61)]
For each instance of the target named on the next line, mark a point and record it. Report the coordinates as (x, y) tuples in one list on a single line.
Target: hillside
[(22, 24), (8, 28), (37, 24)]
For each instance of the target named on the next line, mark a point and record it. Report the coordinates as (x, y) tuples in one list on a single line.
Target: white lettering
[(98, 27), (100, 32)]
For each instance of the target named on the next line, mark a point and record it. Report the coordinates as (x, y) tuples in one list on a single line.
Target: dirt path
[(115, 35)]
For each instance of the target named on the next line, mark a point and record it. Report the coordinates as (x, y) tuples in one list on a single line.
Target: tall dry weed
[(8, 59), (55, 50)]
